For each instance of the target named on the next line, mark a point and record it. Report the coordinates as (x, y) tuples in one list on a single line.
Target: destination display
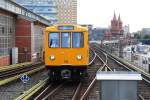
[(65, 27)]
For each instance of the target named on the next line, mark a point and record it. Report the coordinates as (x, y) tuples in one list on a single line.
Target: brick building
[(29, 38), (23, 29), (116, 27), (107, 35)]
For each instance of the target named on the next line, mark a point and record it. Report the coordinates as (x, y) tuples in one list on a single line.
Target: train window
[(77, 39), (65, 40), (53, 40)]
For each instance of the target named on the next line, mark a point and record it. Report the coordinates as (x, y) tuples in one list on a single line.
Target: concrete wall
[(119, 90), (3, 12), (37, 41)]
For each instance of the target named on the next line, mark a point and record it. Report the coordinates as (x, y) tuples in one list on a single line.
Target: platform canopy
[(118, 75)]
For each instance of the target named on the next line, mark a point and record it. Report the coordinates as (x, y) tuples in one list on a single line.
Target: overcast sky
[(136, 13)]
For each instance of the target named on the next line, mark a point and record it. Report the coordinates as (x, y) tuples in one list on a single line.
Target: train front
[(66, 51)]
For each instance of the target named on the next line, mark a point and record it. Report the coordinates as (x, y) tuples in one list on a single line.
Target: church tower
[(116, 26)]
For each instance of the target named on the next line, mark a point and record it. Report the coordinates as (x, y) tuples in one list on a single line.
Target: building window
[(7, 32), (149, 60), (144, 61), (49, 9), (3, 30)]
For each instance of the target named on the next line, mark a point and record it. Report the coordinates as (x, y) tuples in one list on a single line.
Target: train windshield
[(54, 40), (65, 40), (77, 40)]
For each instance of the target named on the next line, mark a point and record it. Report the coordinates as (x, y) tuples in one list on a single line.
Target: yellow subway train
[(66, 51)]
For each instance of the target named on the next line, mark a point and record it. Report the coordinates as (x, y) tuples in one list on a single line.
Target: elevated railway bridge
[(21, 28)]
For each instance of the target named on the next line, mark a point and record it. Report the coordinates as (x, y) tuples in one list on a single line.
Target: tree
[(137, 36), (147, 36)]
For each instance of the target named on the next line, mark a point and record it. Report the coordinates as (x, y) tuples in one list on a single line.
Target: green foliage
[(147, 36), (137, 36)]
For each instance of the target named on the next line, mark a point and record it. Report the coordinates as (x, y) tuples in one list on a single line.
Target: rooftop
[(118, 75)]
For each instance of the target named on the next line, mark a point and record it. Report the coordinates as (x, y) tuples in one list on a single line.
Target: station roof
[(15, 8), (118, 75)]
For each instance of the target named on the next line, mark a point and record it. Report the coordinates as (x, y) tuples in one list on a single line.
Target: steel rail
[(61, 85), (88, 89), (127, 67), (8, 80), (18, 70), (14, 66), (93, 58), (29, 93), (37, 97), (148, 81), (141, 97), (75, 96), (105, 63), (52, 92), (84, 96)]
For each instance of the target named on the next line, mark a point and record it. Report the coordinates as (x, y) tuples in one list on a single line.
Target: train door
[(65, 45)]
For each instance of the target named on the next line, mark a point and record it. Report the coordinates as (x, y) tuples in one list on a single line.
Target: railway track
[(11, 75), (67, 90), (114, 64), (12, 72), (88, 88), (73, 90), (92, 56), (12, 87), (93, 87)]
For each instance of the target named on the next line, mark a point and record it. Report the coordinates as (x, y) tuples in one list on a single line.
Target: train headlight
[(79, 57), (52, 57)]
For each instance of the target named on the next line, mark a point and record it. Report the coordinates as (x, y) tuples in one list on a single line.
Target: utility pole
[(120, 48)]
